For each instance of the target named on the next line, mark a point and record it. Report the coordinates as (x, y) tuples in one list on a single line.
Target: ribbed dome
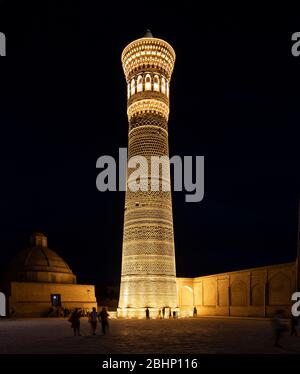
[(40, 264), (40, 259)]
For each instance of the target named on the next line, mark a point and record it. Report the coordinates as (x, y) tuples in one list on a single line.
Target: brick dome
[(40, 264)]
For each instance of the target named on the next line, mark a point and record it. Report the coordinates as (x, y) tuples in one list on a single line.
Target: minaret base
[(154, 313)]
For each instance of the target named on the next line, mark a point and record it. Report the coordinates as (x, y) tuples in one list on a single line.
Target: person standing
[(104, 320), (75, 321), (195, 312), (93, 320), (147, 313)]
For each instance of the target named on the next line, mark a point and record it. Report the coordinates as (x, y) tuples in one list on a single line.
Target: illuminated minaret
[(148, 260)]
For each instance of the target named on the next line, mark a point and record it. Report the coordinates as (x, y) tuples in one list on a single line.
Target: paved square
[(199, 335)]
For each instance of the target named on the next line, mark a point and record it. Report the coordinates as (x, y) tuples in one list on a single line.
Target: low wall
[(256, 292)]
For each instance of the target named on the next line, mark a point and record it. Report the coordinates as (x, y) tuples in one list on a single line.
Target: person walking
[(195, 312), (75, 321), (93, 318), (104, 320)]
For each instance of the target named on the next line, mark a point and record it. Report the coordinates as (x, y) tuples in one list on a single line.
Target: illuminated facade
[(148, 277), (39, 283)]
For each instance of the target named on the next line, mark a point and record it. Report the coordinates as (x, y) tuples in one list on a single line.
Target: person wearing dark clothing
[(195, 312), (103, 315), (294, 324), (75, 321), (93, 318), (147, 313), (163, 312), (278, 326)]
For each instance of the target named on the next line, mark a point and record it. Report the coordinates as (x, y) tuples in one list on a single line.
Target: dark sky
[(234, 99)]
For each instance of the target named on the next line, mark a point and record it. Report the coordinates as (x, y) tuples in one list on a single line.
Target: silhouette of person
[(147, 313), (294, 324), (195, 312), (75, 321), (278, 327), (104, 320), (163, 312), (93, 320)]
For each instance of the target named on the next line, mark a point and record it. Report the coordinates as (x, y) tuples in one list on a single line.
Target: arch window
[(156, 83), (128, 90), (132, 86), (139, 84), (148, 82)]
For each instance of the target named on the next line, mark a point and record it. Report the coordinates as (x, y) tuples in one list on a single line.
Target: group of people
[(59, 311), (93, 318), (279, 326), (162, 313)]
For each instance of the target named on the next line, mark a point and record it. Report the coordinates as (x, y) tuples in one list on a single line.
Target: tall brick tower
[(148, 277)]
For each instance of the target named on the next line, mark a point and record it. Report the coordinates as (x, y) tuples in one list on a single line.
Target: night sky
[(234, 99)]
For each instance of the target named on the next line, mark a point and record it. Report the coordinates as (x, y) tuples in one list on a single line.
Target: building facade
[(148, 278), (256, 292), (39, 282)]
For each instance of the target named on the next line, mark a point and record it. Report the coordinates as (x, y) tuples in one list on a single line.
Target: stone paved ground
[(200, 335)]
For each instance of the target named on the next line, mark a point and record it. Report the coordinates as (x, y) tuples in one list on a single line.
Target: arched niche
[(187, 295), (257, 295), (238, 293), (148, 82), (279, 289), (156, 83), (139, 87), (132, 86), (128, 90)]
